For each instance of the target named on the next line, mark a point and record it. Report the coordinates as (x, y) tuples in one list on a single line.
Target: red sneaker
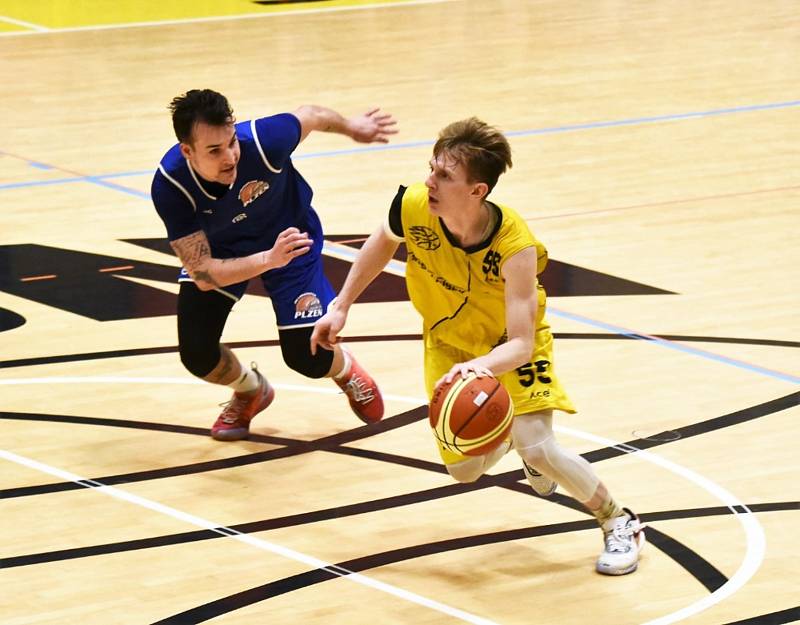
[(362, 393), (234, 422)]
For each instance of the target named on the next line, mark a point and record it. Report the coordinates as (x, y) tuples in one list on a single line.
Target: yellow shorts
[(534, 386)]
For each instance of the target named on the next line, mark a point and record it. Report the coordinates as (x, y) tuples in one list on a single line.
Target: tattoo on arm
[(195, 252), (203, 276)]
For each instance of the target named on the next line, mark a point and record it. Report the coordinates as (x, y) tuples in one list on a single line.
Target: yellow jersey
[(460, 292)]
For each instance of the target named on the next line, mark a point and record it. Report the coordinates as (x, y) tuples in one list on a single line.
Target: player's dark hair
[(481, 149), (199, 105)]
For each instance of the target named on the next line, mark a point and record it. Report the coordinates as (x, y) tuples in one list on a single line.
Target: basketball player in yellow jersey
[(471, 274)]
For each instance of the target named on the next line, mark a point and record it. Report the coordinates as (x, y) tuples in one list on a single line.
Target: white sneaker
[(541, 485), (624, 539)]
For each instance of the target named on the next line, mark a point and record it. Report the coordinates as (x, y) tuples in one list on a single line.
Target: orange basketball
[(471, 416)]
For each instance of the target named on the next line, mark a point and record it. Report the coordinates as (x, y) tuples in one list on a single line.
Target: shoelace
[(620, 539), (232, 409), (359, 391)]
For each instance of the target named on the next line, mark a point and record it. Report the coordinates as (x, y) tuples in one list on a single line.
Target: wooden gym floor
[(655, 149)]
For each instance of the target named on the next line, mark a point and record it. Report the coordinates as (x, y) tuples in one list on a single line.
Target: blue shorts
[(299, 298)]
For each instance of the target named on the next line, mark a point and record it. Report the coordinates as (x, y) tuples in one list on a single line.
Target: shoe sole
[(364, 418), (545, 493), (367, 420), (236, 434), (640, 540), (630, 569)]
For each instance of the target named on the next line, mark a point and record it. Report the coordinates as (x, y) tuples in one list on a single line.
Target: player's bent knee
[(199, 362), (316, 366), (534, 456), (466, 471), (296, 350)]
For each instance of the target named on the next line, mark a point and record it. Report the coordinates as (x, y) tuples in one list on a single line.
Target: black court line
[(708, 575), (288, 447), (703, 427), (692, 562), (169, 349), (701, 569), (335, 442), (790, 615), (668, 545)]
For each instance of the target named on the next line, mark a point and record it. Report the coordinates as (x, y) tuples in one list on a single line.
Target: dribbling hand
[(464, 369)]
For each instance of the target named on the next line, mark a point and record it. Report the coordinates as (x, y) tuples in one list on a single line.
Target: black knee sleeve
[(201, 319), (296, 350), (200, 359)]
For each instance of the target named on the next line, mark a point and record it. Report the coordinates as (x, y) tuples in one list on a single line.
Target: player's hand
[(464, 369), (372, 127), (290, 244), (326, 330)]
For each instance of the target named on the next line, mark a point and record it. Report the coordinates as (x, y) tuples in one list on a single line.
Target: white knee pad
[(536, 444), (471, 469), (467, 470)]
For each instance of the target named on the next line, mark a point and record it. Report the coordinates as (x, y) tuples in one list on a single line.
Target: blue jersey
[(268, 196)]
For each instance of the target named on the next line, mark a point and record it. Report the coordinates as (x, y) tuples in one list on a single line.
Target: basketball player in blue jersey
[(235, 208), (472, 275)]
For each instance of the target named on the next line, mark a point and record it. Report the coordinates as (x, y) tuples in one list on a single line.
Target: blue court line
[(656, 119), (416, 144), (675, 346), (643, 337), (39, 165), (574, 127), (98, 180)]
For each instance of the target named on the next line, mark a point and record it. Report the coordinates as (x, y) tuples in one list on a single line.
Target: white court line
[(98, 379), (253, 541), (756, 540), (16, 22), (754, 533), (218, 18), (344, 252)]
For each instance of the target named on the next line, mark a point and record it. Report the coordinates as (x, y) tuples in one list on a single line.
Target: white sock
[(245, 383), (346, 367)]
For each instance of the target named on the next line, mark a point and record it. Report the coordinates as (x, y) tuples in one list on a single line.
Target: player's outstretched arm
[(370, 261), (373, 126), (211, 273)]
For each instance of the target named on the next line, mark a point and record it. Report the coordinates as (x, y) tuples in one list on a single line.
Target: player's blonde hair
[(482, 149)]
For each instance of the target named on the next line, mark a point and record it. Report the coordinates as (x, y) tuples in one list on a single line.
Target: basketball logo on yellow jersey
[(424, 237)]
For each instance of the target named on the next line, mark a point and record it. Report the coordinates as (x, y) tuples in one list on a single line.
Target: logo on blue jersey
[(252, 190), (307, 306)]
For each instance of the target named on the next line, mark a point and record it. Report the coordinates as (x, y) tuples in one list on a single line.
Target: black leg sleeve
[(201, 319), (296, 350)]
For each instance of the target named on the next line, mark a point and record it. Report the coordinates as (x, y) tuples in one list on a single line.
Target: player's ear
[(186, 150), (480, 190)]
